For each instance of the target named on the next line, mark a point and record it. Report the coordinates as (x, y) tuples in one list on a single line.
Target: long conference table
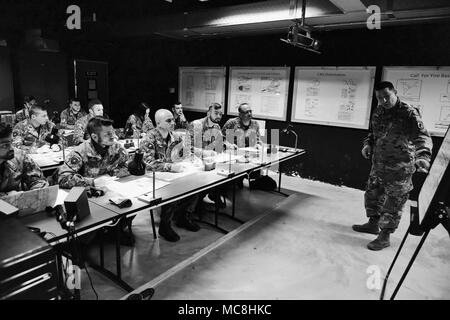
[(104, 215)]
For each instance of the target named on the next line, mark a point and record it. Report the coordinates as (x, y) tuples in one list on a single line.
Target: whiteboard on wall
[(333, 96), (265, 89), (198, 87), (427, 88)]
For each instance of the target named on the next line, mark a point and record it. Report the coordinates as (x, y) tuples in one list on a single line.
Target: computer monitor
[(436, 187), (33, 201)]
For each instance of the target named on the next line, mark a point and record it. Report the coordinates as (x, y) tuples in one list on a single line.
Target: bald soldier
[(18, 171), (163, 149), (398, 144), (243, 131)]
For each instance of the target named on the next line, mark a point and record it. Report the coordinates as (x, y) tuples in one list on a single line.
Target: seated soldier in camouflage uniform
[(162, 148), (24, 113), (180, 120), (95, 157), (30, 134), (18, 171), (207, 140), (72, 114), (139, 122), (398, 143), (243, 131), (80, 133)]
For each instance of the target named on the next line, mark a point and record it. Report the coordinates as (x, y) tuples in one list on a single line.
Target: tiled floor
[(303, 250)]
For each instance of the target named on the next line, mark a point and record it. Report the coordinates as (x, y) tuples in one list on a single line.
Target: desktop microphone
[(288, 128), (53, 137)]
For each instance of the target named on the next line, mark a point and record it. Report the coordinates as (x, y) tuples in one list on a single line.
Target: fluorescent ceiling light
[(267, 16)]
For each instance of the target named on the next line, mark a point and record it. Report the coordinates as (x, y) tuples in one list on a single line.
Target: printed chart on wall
[(198, 87), (265, 89), (333, 96), (426, 88)]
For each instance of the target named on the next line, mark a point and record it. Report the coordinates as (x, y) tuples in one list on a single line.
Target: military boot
[(381, 242), (186, 223), (166, 231), (370, 227)]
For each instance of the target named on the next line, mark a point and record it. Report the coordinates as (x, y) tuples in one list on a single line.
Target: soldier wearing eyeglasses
[(164, 150)]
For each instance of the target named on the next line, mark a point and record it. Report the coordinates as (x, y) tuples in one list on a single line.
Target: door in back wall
[(91, 82)]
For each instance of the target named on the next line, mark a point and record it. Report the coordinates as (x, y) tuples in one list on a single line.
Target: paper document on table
[(48, 159), (33, 201), (224, 157), (62, 195), (249, 149), (170, 176), (189, 168), (134, 188)]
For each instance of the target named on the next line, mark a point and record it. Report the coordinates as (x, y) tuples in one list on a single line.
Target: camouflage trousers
[(385, 197)]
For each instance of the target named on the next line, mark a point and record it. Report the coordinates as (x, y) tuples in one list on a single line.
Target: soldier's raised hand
[(422, 165), (366, 152)]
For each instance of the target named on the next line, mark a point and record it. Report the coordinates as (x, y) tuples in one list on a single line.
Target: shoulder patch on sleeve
[(74, 160), (420, 125)]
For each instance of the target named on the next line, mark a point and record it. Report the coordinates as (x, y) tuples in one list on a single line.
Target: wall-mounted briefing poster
[(265, 89), (198, 87), (428, 89), (333, 96)]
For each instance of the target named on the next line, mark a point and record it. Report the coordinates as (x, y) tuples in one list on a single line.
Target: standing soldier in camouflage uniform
[(30, 134), (162, 148), (397, 143), (243, 131), (72, 114), (24, 113), (18, 171), (180, 120), (139, 122), (80, 133)]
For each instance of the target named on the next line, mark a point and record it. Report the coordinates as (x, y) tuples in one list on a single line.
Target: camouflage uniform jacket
[(243, 136), (21, 174), (80, 133), (204, 136), (22, 114), (160, 154), (138, 126), (69, 119), (85, 163), (398, 137), (27, 137)]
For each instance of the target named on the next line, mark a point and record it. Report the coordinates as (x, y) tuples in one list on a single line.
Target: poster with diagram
[(426, 88), (265, 89), (333, 96), (198, 87)]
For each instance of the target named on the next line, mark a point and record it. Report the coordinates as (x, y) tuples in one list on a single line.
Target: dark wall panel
[(6, 81), (43, 75)]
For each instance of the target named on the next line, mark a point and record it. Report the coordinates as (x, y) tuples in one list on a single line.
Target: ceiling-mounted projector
[(300, 36)]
